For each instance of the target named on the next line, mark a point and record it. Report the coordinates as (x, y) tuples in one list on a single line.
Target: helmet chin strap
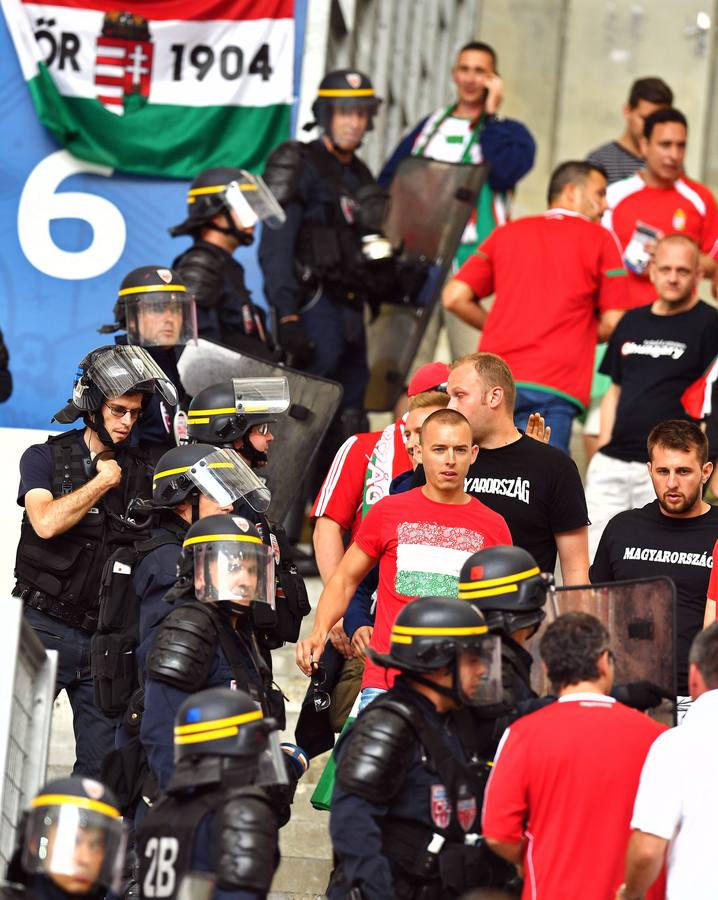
[(254, 457), (94, 421), (439, 688), (244, 238)]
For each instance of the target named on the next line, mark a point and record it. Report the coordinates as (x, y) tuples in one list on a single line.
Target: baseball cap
[(431, 377)]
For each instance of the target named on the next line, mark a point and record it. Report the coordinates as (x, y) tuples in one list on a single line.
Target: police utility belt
[(51, 606)]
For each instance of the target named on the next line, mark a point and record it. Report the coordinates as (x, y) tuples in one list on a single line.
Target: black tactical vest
[(61, 576), (165, 841)]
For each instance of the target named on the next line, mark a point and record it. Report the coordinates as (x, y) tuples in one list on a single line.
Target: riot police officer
[(240, 414), (223, 207), (75, 489), (216, 816), (406, 805), (157, 312), (318, 267), (71, 844), (224, 594)]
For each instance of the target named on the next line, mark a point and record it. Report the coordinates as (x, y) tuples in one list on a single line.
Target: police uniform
[(214, 817), (205, 642), (407, 800), (314, 266), (59, 578), (225, 311)]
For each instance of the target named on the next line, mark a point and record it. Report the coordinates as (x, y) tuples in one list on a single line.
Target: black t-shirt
[(535, 487), (644, 543), (653, 359)]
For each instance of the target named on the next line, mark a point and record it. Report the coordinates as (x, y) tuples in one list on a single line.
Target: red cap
[(431, 377)]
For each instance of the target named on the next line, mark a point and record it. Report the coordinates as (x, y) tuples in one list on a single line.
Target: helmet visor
[(161, 319), (122, 370), (261, 395), (232, 568), (478, 671), (272, 763), (225, 477), (252, 201), (75, 842)]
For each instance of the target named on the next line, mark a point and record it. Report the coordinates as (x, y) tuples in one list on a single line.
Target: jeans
[(94, 731), (369, 694), (558, 412)]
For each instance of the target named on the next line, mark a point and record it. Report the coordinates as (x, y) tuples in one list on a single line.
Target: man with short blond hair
[(534, 486)]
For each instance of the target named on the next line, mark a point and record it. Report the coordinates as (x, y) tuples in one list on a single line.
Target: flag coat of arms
[(166, 87)]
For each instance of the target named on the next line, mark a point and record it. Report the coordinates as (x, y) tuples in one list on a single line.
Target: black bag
[(292, 600), (112, 652)]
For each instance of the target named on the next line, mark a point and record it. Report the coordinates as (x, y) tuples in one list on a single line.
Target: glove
[(640, 695), (293, 339)]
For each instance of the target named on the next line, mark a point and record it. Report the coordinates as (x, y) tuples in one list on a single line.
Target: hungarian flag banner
[(165, 88)]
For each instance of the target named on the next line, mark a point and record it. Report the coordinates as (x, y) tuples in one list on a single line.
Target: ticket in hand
[(639, 250)]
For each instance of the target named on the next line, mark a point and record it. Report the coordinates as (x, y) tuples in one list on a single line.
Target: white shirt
[(677, 800)]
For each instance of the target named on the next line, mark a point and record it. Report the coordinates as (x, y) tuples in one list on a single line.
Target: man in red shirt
[(560, 796), (660, 200), (560, 286), (420, 538)]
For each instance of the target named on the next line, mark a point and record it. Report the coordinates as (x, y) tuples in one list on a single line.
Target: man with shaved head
[(419, 538), (655, 353)]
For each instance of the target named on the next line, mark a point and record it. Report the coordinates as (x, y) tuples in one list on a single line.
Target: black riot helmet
[(223, 413), (241, 198), (431, 633), (155, 308), (222, 735), (107, 373), (344, 89), (506, 584), (74, 836)]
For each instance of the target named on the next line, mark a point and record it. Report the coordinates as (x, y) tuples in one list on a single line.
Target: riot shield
[(641, 620), (430, 204), (298, 433)]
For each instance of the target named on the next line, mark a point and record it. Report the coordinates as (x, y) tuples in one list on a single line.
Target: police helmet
[(226, 190), (505, 583), (221, 475), (109, 372), (74, 835), (431, 633), (344, 89), (230, 562), (155, 307), (223, 413)]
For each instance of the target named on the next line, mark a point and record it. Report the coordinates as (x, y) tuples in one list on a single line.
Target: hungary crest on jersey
[(123, 64)]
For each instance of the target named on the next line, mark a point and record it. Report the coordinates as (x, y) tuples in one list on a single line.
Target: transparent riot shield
[(641, 620), (430, 204), (298, 432)]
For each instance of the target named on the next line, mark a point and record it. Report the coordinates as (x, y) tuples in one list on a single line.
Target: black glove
[(293, 339), (640, 695)]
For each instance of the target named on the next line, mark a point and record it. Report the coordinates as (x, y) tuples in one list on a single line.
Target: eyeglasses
[(119, 412), (321, 699), (261, 429)]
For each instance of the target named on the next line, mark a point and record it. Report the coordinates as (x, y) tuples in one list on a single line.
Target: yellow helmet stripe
[(72, 800), (440, 632), (346, 92), (168, 472), (212, 724), (207, 736), (228, 410), (216, 189), (491, 592), (155, 288), (191, 421), (209, 538), (401, 639), (506, 579)]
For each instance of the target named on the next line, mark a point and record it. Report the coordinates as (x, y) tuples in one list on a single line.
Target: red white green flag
[(166, 87)]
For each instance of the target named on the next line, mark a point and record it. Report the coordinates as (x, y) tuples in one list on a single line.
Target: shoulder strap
[(70, 470), (159, 540)]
